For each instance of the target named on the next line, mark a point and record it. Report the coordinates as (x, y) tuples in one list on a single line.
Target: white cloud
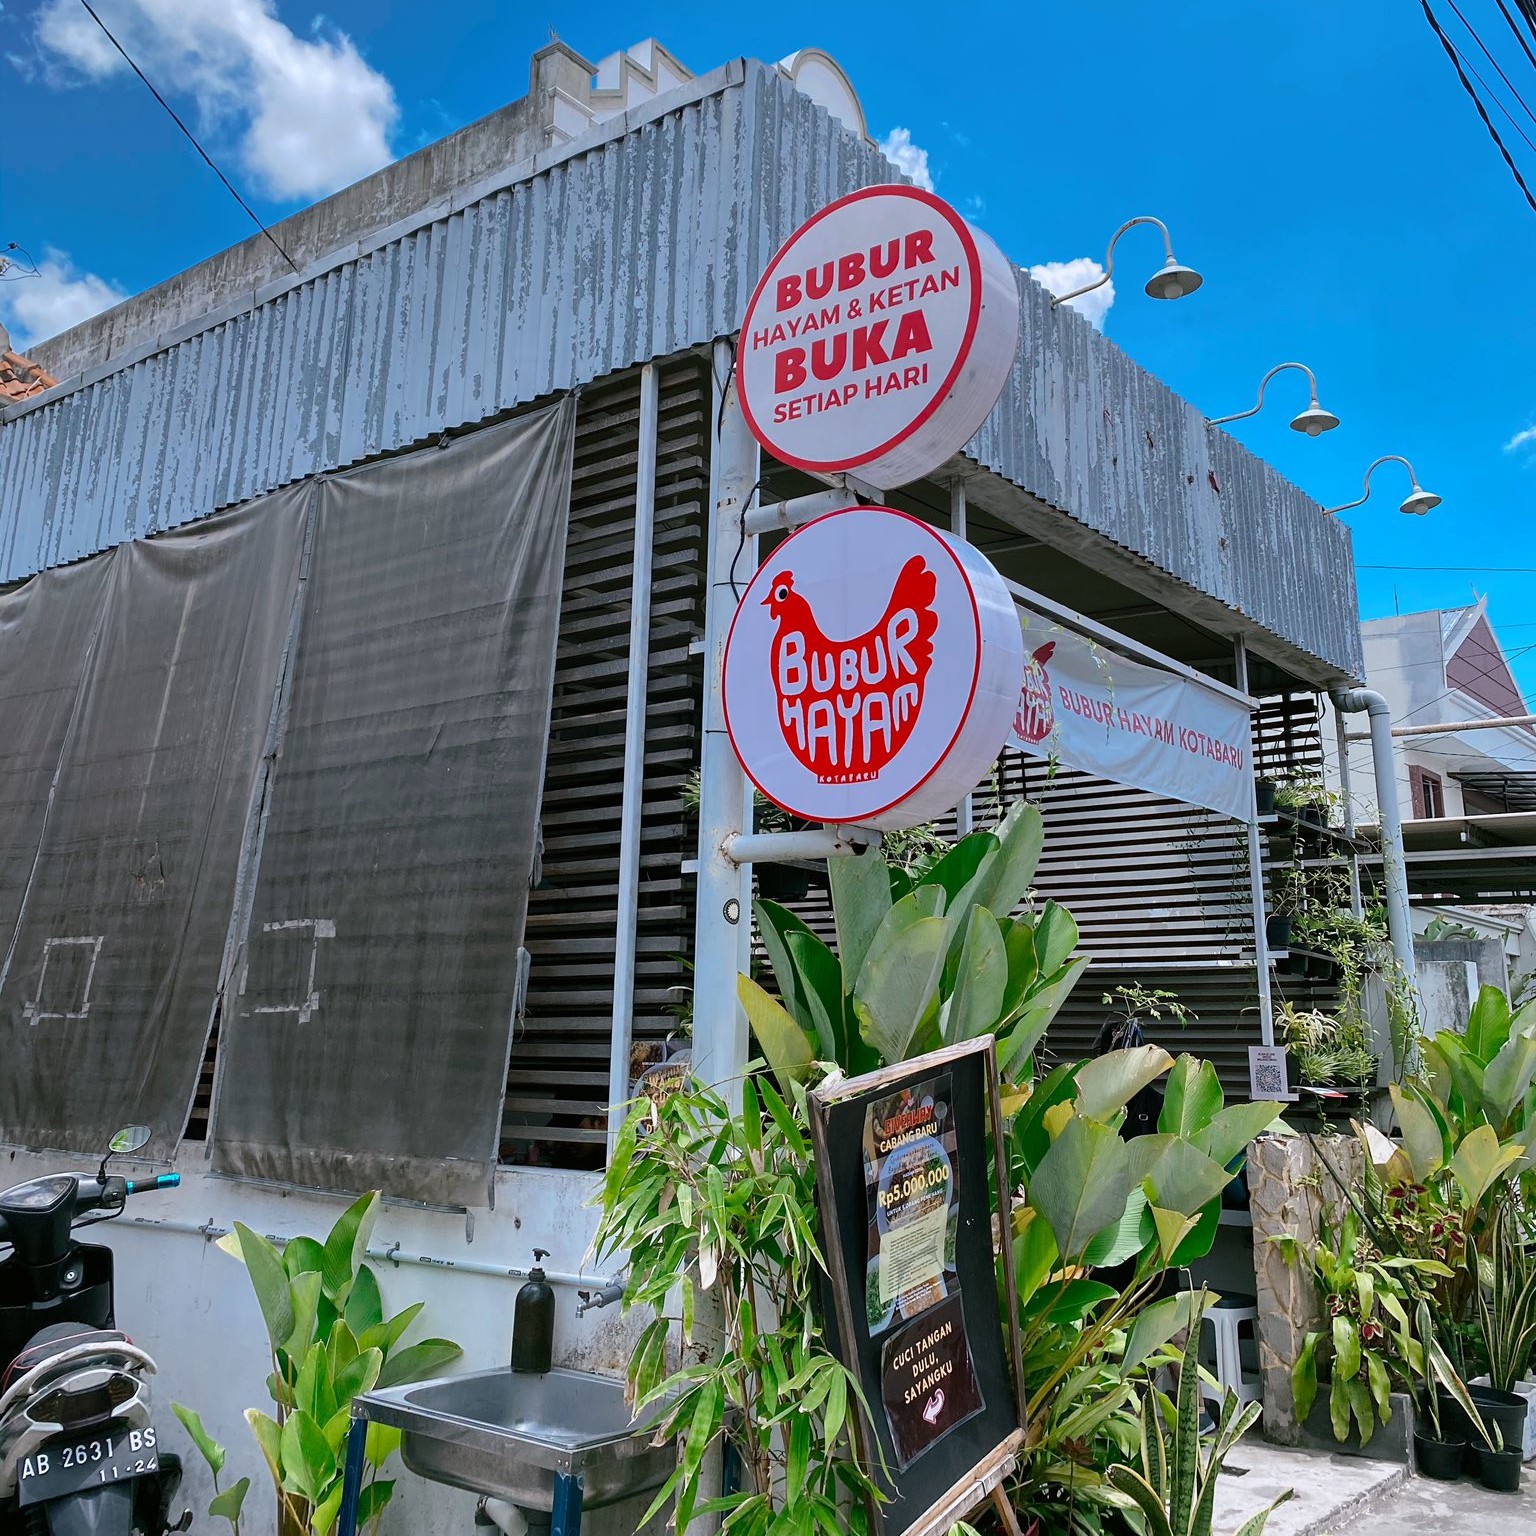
[(1520, 440), (311, 114), (35, 308), (1064, 276), (912, 162)]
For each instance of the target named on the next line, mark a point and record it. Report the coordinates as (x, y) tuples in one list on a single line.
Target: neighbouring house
[(20, 377), (1465, 768), (316, 597)]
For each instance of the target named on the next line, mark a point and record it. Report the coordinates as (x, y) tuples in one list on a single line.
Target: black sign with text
[(904, 1160)]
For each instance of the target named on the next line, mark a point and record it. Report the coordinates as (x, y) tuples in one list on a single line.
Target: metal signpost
[(877, 342)]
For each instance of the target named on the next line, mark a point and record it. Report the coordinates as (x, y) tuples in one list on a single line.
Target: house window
[(1428, 791)]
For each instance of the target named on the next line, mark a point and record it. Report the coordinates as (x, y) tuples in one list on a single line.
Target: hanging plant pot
[(1439, 1459), (1321, 968), (1310, 815), (1264, 796), (1277, 930), (1498, 1471), (782, 882)]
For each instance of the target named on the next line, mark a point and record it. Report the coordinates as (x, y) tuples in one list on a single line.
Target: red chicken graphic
[(847, 707), (1036, 715)]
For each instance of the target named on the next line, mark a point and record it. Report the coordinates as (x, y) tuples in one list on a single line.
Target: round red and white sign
[(872, 670), (879, 338)]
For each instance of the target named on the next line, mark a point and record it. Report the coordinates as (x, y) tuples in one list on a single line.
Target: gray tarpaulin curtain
[(135, 690), (367, 1025)]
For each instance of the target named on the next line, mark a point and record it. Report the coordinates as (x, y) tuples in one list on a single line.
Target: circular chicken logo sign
[(872, 670), (879, 338)]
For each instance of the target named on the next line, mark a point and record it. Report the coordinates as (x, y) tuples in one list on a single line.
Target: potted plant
[(1288, 890), (1498, 1465), (1277, 931), (1347, 944), (330, 1340), (1264, 796), (1135, 1004), (1441, 1425), (1505, 1292), (1309, 801), (1327, 1051)]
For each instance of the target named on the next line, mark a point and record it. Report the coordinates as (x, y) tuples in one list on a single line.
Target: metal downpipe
[(1394, 863)]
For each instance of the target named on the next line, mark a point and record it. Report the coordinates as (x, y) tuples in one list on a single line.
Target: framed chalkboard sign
[(904, 1162)]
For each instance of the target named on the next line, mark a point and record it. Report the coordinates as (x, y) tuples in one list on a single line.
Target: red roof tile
[(20, 378)]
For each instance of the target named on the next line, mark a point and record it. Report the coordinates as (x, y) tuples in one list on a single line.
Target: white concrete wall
[(191, 1305)]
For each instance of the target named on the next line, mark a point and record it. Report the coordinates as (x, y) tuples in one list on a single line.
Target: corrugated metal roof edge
[(732, 73), (1332, 636)]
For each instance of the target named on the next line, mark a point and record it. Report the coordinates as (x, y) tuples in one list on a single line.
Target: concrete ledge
[(1330, 1490), (1393, 1441)]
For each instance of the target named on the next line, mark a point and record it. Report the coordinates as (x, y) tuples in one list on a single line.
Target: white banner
[(1099, 711)]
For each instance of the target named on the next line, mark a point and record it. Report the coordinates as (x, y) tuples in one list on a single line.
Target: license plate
[(67, 1466)]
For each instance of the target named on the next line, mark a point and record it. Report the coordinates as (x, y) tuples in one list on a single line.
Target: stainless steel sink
[(508, 1435)]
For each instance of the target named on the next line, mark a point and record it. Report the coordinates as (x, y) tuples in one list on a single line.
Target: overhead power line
[(1514, 26), (1513, 91), (191, 137), (1466, 85), (1501, 661)]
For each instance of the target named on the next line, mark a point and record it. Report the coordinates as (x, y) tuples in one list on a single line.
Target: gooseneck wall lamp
[(1419, 501), (1313, 421), (1173, 281)]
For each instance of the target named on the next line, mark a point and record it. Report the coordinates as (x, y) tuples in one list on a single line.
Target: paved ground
[(1329, 1489), (1350, 1496), (1451, 1509)]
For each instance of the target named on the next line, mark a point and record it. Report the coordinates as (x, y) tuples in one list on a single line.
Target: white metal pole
[(633, 802), (1256, 892), (1454, 727), (1394, 861), (723, 927), (963, 819)]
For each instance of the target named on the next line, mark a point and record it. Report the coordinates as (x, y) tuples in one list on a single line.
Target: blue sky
[(1320, 165)]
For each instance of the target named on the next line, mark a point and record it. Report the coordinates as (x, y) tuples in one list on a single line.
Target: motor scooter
[(79, 1451)]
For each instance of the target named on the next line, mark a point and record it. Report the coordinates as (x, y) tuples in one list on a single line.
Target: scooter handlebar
[(160, 1181)]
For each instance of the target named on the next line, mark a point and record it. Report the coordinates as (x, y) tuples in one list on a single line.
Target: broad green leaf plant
[(949, 956), (1085, 1201), (227, 1503), (716, 1216), (330, 1340), (1466, 1147), (919, 963)]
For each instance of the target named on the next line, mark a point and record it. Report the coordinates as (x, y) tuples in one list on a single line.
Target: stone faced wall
[(1290, 1186)]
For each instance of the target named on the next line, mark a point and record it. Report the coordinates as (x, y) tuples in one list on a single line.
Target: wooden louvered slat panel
[(1160, 893), (557, 1084)]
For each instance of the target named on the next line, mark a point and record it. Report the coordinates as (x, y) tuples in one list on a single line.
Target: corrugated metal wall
[(1089, 432), (638, 247)]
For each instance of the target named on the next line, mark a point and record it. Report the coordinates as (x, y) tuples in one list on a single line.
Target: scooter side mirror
[(129, 1139)]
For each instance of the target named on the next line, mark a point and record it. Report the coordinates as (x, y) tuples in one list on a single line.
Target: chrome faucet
[(610, 1293)]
